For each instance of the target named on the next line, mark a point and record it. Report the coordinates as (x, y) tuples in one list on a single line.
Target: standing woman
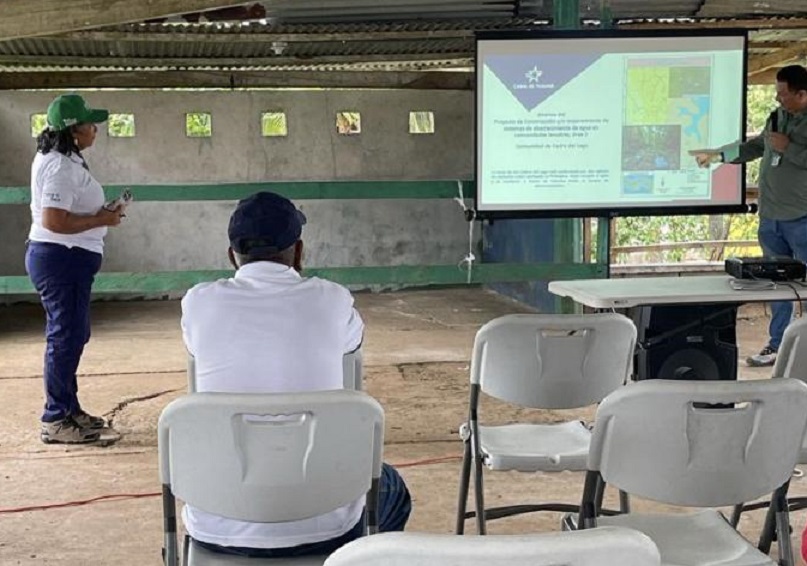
[(65, 247)]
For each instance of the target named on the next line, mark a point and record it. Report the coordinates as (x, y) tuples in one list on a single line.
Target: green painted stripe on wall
[(168, 281), (303, 190)]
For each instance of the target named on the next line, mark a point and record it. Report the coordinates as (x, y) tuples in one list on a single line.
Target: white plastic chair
[(352, 371), (596, 547), (267, 458), (544, 362), (698, 444), (791, 361)]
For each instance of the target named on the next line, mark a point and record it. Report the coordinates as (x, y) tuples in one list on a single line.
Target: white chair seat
[(535, 447), (703, 538), (541, 362), (594, 547), (198, 556)]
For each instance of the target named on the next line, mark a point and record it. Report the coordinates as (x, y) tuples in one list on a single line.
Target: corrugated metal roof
[(340, 34), (255, 45), (155, 49), (458, 24), (738, 8), (411, 65), (379, 10)]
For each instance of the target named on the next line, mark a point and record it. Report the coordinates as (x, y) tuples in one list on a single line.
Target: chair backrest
[(271, 457), (191, 373), (607, 546), (791, 360), (352, 371), (553, 361), (671, 441)]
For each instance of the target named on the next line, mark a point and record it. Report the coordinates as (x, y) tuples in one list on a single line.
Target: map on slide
[(666, 115)]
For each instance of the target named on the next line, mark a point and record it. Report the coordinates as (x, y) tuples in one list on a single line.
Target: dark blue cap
[(264, 223)]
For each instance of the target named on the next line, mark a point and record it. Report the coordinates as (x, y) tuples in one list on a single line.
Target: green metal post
[(607, 16), (568, 233), (566, 14), (604, 223)]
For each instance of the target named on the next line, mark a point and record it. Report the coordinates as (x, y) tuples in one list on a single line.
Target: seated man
[(268, 329)]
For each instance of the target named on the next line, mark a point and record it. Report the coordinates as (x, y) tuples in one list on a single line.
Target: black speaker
[(695, 342)]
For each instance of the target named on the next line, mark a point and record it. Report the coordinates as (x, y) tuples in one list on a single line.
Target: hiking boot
[(67, 431), (85, 420), (766, 357)]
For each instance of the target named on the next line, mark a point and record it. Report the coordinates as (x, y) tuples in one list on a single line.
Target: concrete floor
[(417, 349)]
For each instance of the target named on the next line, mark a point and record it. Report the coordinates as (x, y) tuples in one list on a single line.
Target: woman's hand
[(110, 217)]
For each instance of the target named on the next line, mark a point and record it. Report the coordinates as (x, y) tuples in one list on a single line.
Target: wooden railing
[(717, 247)]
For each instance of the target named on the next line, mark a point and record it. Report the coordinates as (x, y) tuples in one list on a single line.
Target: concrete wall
[(192, 235)]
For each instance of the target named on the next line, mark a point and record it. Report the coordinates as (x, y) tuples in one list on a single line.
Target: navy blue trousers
[(394, 507), (63, 278)]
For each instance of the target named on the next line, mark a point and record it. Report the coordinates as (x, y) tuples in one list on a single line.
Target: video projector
[(769, 268)]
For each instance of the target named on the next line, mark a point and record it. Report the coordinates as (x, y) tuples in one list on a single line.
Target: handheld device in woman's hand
[(122, 201)]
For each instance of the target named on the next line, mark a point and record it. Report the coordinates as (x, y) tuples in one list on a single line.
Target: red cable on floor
[(111, 497), (123, 496), (427, 461)]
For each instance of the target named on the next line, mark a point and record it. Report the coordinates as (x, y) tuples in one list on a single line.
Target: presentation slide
[(607, 123)]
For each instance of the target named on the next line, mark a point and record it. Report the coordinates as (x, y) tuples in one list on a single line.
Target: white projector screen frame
[(529, 137)]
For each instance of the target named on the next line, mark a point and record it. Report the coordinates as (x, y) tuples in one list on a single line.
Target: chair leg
[(783, 536), (371, 507), (476, 457), (599, 494), (186, 549), (624, 502), (768, 528), (587, 519), (779, 500), (479, 495), (735, 515), (170, 550), (465, 480), (771, 525)]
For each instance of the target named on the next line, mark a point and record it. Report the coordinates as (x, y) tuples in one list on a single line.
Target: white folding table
[(684, 330), (647, 291)]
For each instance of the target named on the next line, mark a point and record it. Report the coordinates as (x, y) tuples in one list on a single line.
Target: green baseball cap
[(71, 109)]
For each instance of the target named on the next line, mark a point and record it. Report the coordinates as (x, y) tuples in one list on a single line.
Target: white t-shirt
[(61, 181), (270, 330)]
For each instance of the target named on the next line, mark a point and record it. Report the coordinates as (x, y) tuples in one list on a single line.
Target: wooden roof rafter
[(32, 18), (789, 55)]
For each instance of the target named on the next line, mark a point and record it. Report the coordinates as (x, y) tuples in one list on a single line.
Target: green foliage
[(38, 123), (639, 230), (121, 125), (636, 231), (761, 101), (348, 123), (198, 125), (421, 122), (273, 124)]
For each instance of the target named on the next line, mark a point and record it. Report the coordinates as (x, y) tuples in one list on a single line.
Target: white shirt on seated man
[(268, 329)]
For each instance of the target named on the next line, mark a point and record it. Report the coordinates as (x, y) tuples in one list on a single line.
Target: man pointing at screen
[(782, 145)]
